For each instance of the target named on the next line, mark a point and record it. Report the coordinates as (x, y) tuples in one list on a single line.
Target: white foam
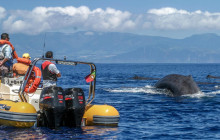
[(152, 90), (199, 94), (147, 89), (214, 92)]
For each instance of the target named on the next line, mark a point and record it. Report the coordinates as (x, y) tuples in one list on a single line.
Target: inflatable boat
[(18, 114), (24, 102)]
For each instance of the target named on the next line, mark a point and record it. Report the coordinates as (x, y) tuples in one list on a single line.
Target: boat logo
[(69, 97), (48, 94), (4, 106)]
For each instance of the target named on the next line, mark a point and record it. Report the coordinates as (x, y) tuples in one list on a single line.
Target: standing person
[(6, 60), (20, 68), (49, 71)]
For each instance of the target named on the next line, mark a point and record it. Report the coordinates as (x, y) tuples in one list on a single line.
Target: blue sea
[(145, 112)]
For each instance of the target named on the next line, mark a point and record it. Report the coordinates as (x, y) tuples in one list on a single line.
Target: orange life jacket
[(24, 60), (14, 54), (21, 67)]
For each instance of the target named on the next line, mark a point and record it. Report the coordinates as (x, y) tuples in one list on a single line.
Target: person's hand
[(1, 63), (58, 75)]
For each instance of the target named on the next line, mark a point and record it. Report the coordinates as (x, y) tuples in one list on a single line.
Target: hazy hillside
[(121, 47)]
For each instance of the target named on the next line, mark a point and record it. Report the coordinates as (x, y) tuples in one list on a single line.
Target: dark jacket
[(47, 75)]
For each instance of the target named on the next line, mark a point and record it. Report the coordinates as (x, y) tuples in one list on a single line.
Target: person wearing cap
[(20, 68), (6, 60), (49, 71)]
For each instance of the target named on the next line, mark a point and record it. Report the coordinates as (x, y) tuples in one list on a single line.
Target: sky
[(167, 18)]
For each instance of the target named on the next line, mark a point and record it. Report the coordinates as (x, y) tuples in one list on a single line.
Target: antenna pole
[(44, 45)]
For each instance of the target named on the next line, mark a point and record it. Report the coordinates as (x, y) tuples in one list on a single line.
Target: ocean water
[(145, 112)]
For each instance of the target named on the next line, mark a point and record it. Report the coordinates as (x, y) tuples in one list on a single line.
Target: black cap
[(49, 54), (4, 36)]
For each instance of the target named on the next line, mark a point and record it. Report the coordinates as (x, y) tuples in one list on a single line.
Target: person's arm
[(7, 53), (3, 61), (53, 69)]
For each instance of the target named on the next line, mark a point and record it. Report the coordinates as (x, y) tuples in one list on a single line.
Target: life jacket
[(24, 60), (21, 67), (47, 75), (14, 54)]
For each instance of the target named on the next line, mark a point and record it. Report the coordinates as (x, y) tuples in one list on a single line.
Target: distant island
[(113, 47)]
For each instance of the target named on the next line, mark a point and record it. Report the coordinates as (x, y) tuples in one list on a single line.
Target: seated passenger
[(20, 68)]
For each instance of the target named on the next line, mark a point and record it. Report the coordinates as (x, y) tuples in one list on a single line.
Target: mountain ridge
[(114, 47)]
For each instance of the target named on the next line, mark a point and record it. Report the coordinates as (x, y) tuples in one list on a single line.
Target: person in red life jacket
[(49, 71), (20, 68), (6, 59)]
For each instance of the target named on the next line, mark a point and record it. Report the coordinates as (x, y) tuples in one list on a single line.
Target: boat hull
[(17, 114), (101, 115)]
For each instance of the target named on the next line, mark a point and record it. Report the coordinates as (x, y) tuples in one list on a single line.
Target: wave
[(215, 92), (152, 90), (203, 94), (147, 89)]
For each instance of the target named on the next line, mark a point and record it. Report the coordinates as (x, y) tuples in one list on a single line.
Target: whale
[(178, 85), (211, 76), (136, 77)]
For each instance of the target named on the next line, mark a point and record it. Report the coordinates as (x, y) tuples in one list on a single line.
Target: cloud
[(57, 18), (172, 19), (42, 19), (167, 11), (2, 13), (89, 33)]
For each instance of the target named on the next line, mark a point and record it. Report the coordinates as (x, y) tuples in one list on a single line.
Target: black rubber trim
[(15, 116), (106, 119)]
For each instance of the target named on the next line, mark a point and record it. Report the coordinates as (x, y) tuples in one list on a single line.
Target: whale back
[(178, 84)]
